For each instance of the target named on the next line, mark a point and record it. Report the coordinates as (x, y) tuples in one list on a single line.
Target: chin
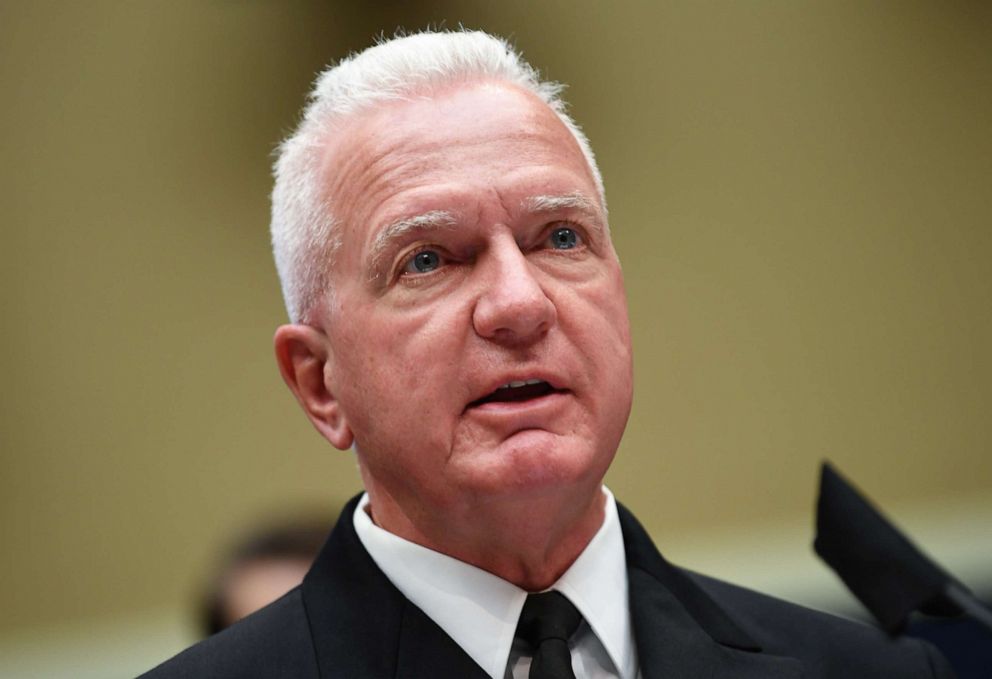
[(535, 461)]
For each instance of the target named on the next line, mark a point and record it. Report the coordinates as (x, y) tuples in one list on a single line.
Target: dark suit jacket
[(348, 620)]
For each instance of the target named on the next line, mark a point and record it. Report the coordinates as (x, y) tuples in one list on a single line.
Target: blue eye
[(424, 261), (564, 239)]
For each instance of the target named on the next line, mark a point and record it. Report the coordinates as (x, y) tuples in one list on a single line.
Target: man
[(459, 319)]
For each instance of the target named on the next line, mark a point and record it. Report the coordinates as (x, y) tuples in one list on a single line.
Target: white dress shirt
[(479, 610)]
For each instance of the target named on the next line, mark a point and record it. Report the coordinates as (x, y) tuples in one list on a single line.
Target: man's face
[(475, 254)]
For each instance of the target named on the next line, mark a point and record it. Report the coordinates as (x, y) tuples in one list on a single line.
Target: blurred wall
[(800, 193)]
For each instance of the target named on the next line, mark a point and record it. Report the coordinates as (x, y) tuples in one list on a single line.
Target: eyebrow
[(426, 222), (568, 201)]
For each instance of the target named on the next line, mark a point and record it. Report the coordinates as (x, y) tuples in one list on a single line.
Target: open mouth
[(515, 392)]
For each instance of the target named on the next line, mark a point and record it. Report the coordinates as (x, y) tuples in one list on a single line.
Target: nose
[(512, 309)]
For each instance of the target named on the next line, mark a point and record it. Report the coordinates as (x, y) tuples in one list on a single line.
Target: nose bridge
[(510, 265), (512, 304)]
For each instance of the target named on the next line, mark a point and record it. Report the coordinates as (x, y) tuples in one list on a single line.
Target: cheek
[(601, 319), (600, 330), (398, 365), (614, 306)]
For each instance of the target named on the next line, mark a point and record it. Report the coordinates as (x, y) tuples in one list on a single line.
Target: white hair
[(305, 233)]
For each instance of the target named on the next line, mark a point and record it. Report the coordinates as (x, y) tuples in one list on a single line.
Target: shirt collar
[(597, 584), (479, 610)]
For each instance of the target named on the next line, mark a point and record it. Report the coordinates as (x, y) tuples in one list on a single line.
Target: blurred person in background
[(259, 569)]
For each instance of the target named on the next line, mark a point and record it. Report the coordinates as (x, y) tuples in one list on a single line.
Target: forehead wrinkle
[(423, 223), (358, 157)]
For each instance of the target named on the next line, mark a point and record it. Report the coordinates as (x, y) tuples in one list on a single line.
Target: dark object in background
[(259, 569), (893, 578), (886, 571)]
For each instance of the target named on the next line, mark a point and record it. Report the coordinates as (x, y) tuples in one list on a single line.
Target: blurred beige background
[(800, 192)]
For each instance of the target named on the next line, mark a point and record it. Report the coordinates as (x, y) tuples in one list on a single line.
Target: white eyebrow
[(568, 201), (428, 221)]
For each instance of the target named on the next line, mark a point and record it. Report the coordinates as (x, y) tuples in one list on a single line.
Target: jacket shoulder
[(828, 645), (272, 642)]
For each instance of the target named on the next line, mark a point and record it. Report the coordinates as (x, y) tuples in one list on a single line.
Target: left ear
[(303, 355)]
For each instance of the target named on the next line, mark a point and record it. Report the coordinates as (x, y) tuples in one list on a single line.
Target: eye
[(564, 238), (423, 261)]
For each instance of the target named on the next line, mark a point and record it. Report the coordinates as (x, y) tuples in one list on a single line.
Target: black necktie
[(547, 621)]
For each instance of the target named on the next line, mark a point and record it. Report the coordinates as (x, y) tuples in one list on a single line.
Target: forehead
[(460, 150)]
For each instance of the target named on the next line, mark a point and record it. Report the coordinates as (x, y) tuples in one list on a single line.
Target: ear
[(303, 355)]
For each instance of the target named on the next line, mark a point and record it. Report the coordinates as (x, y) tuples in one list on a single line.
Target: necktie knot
[(546, 622)]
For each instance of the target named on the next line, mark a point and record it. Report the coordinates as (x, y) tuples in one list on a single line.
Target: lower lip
[(536, 408)]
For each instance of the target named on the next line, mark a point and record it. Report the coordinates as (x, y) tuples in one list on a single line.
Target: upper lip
[(554, 381)]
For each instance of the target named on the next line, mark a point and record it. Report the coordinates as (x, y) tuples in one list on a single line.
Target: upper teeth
[(519, 383)]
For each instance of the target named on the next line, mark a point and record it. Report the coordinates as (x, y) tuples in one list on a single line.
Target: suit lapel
[(679, 630), (362, 626), (425, 650)]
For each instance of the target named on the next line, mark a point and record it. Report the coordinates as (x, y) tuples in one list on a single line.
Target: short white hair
[(305, 232)]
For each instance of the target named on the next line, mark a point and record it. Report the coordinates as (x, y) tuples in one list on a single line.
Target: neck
[(529, 541)]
